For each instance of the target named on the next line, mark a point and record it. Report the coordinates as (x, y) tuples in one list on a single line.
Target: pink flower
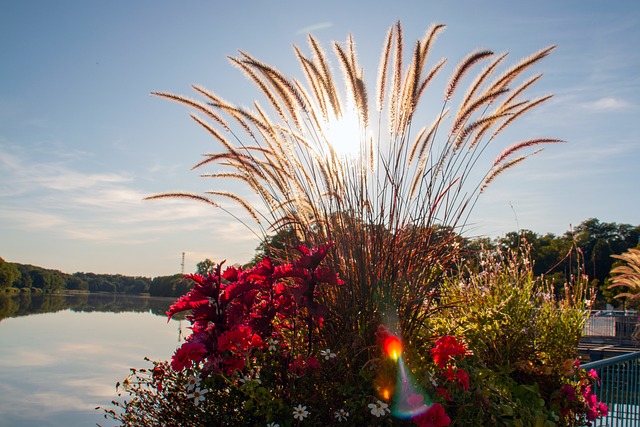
[(435, 416), (603, 409), (188, 353), (312, 363), (596, 409), (569, 392)]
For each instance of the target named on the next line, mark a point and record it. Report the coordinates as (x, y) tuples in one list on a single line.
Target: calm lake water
[(61, 356)]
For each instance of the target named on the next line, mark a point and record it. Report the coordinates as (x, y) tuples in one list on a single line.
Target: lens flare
[(396, 382), (393, 347), (409, 399)]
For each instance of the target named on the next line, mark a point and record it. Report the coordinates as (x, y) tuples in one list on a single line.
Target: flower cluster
[(577, 397), (235, 312), (446, 352), (435, 416), (260, 354)]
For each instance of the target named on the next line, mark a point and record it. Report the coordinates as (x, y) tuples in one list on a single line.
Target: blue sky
[(82, 142)]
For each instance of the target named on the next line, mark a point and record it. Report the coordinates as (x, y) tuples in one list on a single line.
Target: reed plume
[(627, 275), (396, 208)]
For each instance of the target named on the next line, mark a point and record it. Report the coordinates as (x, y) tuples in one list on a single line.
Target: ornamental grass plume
[(627, 275), (396, 207)]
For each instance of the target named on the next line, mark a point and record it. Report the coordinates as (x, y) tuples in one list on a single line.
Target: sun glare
[(343, 133)]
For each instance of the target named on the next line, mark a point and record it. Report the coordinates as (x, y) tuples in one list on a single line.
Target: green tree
[(549, 253), (167, 286), (598, 242), (24, 281), (276, 246), (75, 283), (205, 267), (9, 273)]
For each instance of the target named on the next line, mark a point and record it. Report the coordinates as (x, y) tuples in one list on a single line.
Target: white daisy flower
[(432, 379), (327, 354), (248, 378), (272, 344), (379, 408), (341, 415), (193, 382), (300, 412), (197, 395), (273, 425)]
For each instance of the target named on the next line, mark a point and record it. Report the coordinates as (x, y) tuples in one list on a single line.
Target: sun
[(344, 133)]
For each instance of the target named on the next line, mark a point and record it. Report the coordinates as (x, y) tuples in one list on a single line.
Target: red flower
[(311, 257), (446, 348), (299, 365), (328, 276), (239, 340), (231, 273), (233, 364), (450, 373), (312, 363), (444, 393), (435, 416), (192, 300), (188, 353), (158, 377), (463, 379)]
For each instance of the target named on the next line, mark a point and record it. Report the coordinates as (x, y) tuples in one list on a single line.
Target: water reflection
[(27, 303), (60, 356)]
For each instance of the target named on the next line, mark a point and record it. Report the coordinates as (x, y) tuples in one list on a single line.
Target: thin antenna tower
[(182, 265)]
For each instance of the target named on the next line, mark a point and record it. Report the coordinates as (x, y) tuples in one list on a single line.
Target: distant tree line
[(550, 253), (596, 242), (29, 278), (584, 250)]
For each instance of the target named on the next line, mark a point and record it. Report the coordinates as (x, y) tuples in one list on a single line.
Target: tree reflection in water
[(26, 304)]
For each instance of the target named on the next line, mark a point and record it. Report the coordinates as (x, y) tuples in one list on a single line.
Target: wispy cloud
[(23, 174), (99, 206), (607, 104), (30, 219), (61, 178), (315, 27)]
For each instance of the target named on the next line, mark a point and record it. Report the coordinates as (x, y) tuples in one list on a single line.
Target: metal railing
[(613, 327), (619, 389)]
